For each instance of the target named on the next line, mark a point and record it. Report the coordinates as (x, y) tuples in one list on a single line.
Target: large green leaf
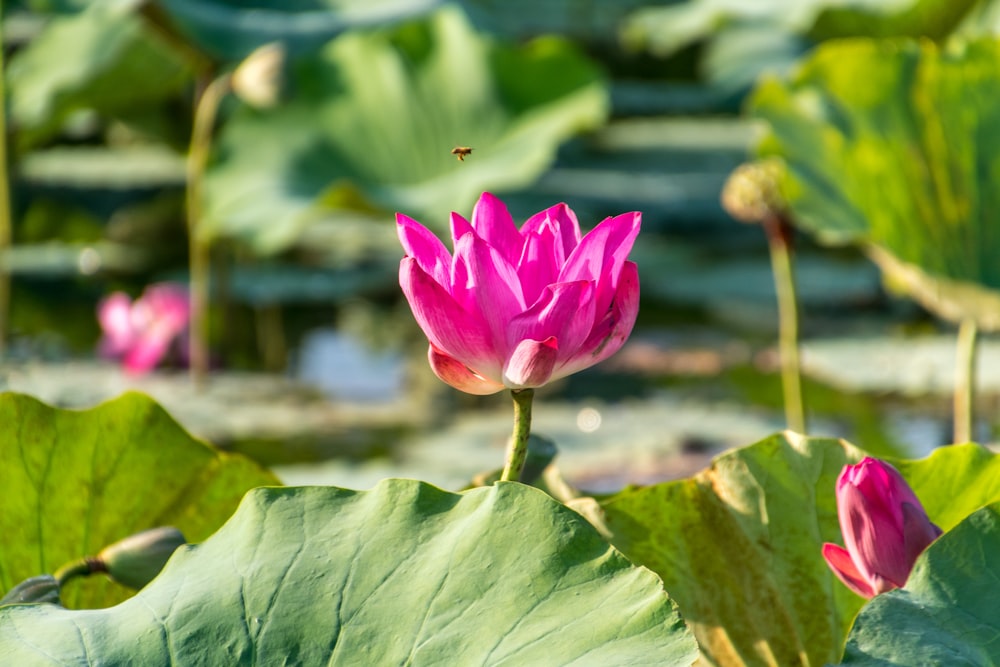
[(72, 482), (373, 122), (738, 545), (947, 613), (103, 58), (897, 144), (403, 574), (231, 29)]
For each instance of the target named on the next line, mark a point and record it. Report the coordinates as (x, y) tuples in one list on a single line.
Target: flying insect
[(460, 152)]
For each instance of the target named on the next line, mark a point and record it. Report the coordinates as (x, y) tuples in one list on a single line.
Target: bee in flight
[(460, 152)]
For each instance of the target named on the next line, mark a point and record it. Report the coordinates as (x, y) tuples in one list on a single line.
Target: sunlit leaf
[(373, 122), (72, 482), (897, 145), (403, 574)]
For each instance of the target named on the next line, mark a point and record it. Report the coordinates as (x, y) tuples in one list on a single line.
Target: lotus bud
[(752, 192), (137, 559), (884, 526), (258, 79), (44, 588)]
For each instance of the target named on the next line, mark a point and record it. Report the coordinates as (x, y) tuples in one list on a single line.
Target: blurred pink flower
[(140, 333), (520, 308), (884, 526)]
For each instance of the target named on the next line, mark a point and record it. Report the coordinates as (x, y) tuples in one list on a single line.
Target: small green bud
[(43, 588), (137, 559)]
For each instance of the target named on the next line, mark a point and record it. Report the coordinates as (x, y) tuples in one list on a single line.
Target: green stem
[(6, 226), (206, 110), (83, 567), (965, 380), (788, 321), (517, 450)]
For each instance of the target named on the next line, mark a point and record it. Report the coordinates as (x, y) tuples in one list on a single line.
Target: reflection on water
[(346, 369)]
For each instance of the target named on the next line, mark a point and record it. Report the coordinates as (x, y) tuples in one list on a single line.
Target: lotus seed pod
[(752, 192)]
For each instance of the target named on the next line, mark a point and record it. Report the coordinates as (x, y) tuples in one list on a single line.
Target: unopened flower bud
[(752, 192), (884, 526), (258, 79), (137, 559), (43, 588)]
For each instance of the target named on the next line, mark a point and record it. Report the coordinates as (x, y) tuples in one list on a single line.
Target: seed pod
[(752, 192)]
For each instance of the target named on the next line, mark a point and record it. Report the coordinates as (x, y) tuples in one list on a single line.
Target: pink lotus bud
[(519, 308), (140, 333), (884, 526)]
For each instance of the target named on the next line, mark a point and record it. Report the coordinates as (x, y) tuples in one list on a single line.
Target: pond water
[(356, 402)]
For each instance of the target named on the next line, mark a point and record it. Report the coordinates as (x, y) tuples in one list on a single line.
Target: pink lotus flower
[(520, 308), (884, 525), (140, 333)]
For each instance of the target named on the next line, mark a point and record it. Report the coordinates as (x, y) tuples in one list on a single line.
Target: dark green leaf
[(230, 29)]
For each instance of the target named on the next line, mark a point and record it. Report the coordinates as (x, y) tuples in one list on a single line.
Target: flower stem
[(206, 110), (778, 232), (517, 450), (6, 226), (83, 567), (965, 380)]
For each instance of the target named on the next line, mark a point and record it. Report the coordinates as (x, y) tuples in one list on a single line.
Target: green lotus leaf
[(230, 29), (72, 482), (946, 613), (103, 58), (738, 545), (665, 30), (972, 481), (403, 574), (894, 144), (373, 122)]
